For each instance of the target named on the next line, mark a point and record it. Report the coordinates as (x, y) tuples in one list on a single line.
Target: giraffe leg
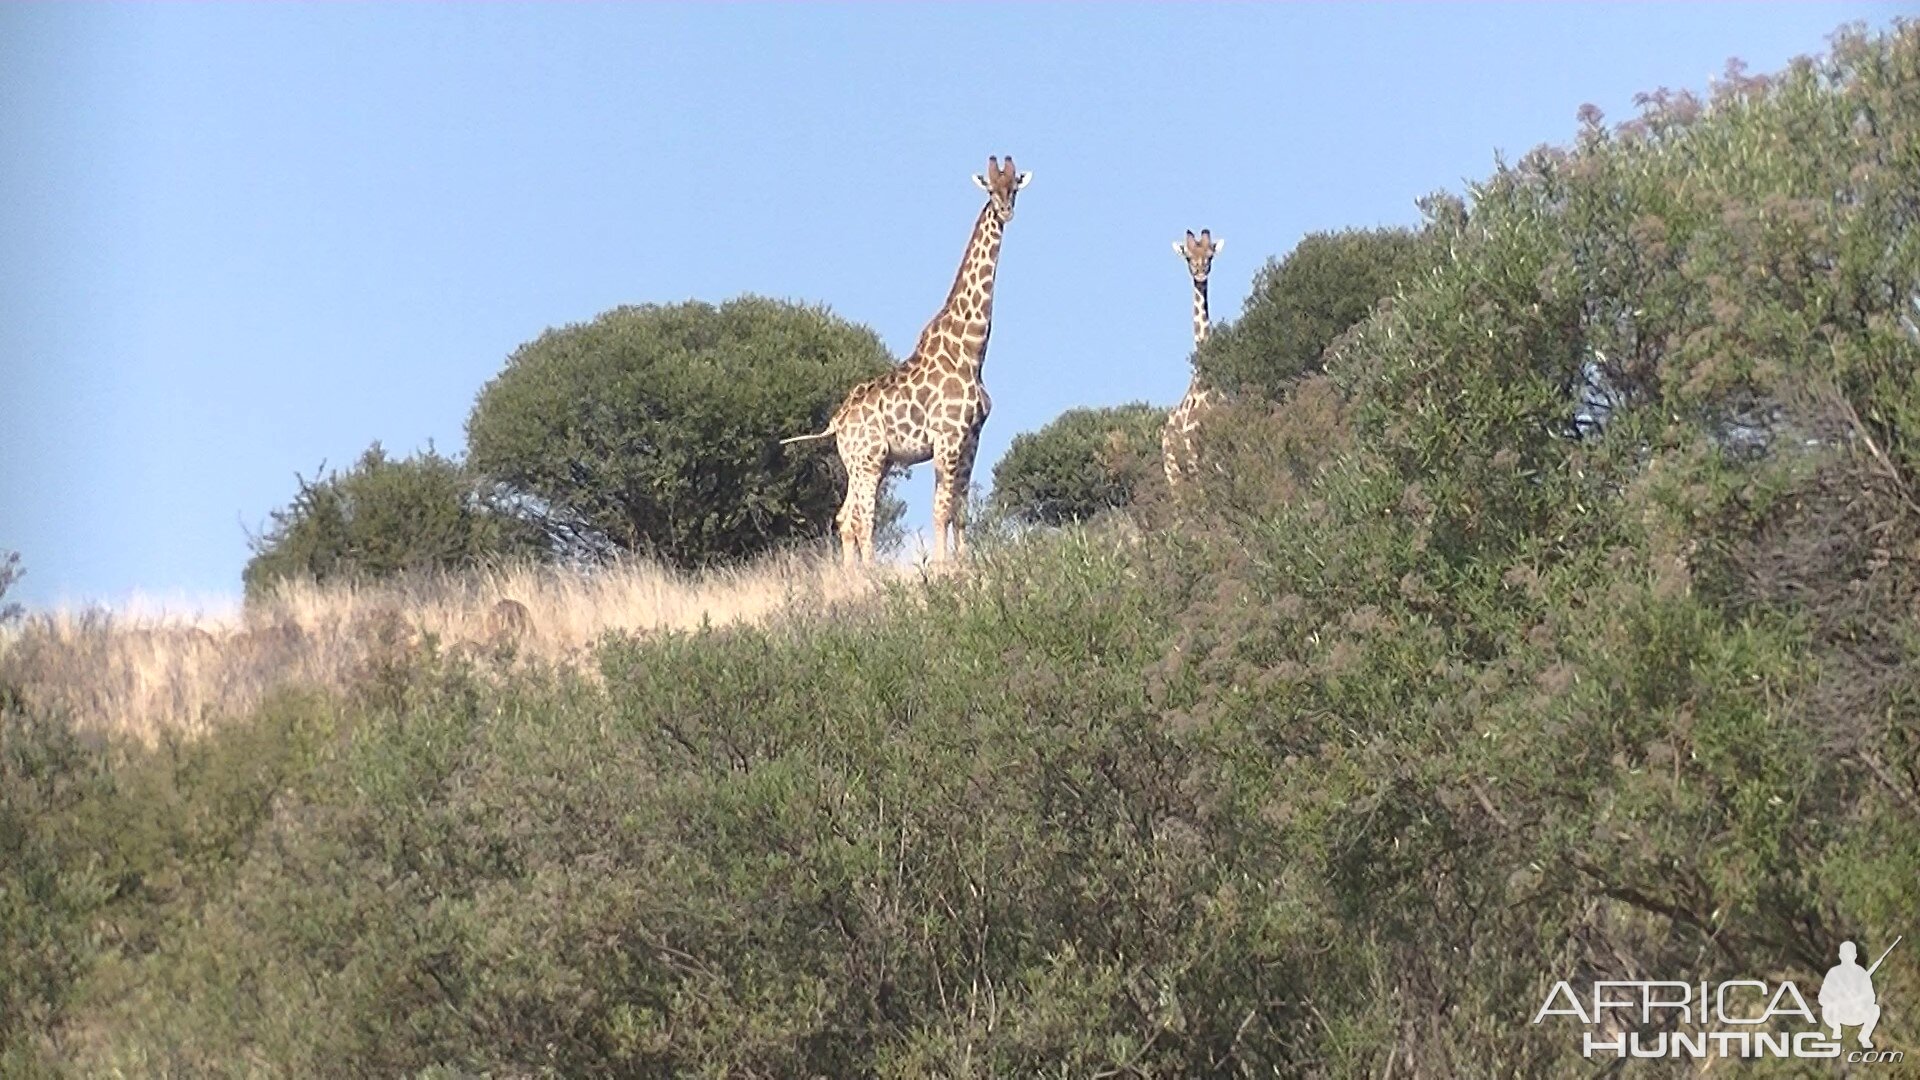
[(856, 513), (870, 502), (960, 480), (849, 549), (951, 469), (942, 504), (871, 505)]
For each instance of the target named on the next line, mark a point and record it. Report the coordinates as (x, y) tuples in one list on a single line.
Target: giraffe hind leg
[(856, 514), (940, 511)]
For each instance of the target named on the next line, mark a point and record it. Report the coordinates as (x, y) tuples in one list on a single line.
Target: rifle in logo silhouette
[(1883, 957)]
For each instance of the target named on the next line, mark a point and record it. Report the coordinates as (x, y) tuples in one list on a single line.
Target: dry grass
[(151, 676)]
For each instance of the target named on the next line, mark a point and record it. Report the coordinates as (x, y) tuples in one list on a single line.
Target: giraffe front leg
[(961, 481), (942, 504), (941, 511), (951, 468)]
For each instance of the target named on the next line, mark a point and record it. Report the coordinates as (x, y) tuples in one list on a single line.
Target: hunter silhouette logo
[(1739, 1018), (1846, 997)]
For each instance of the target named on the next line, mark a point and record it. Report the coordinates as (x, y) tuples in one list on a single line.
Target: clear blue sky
[(243, 240)]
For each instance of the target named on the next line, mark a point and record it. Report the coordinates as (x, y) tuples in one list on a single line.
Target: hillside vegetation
[(1562, 625)]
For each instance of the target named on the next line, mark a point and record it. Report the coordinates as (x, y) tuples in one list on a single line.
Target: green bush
[(658, 426), (383, 518), (1084, 462), (1300, 304), (49, 892), (108, 854)]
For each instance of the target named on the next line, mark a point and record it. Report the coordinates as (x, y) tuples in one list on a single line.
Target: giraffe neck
[(967, 317), (1199, 312), (1197, 385)]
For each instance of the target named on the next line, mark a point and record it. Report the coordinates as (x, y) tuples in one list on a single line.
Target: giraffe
[(933, 406), (1177, 450)]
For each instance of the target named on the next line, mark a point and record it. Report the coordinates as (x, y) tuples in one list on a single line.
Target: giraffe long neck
[(1199, 312), (1197, 385), (968, 314)]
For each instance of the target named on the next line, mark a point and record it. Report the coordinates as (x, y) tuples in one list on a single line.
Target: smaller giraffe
[(1177, 450), (932, 407)]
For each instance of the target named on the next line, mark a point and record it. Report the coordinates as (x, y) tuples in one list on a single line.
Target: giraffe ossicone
[(931, 407), (1178, 452)]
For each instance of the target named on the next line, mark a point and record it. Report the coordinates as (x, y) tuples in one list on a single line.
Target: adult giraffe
[(1177, 451), (933, 406)]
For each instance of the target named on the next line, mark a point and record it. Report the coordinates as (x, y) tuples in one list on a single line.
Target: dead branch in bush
[(1887, 469), (1894, 787)]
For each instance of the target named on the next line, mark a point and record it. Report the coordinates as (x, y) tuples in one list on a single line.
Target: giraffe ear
[(981, 182), (1180, 249), (1022, 182), (1219, 244)]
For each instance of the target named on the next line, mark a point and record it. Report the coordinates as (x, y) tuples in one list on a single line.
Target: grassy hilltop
[(1565, 625)]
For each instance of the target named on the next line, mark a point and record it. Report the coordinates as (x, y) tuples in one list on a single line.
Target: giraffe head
[(1199, 252), (1002, 185)]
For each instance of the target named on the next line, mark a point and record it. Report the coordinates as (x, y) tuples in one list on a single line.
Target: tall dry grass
[(158, 676)]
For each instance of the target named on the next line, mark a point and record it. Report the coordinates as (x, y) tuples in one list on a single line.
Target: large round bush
[(657, 427)]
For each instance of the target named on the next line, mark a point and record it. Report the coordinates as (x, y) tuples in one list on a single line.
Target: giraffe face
[(1199, 251), (1002, 186)]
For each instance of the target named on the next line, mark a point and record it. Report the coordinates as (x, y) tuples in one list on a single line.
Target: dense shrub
[(48, 892), (108, 853), (386, 517), (1301, 303), (1572, 643), (658, 427), (1083, 462)]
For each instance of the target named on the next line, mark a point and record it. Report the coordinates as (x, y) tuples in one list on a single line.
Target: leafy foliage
[(1300, 304), (658, 426), (386, 517), (10, 573), (1084, 462)]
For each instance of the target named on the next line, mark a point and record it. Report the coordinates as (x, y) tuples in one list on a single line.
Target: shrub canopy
[(1301, 303), (386, 517), (1083, 462), (658, 427)]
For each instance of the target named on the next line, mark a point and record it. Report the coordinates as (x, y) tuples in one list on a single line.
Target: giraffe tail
[(809, 438)]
